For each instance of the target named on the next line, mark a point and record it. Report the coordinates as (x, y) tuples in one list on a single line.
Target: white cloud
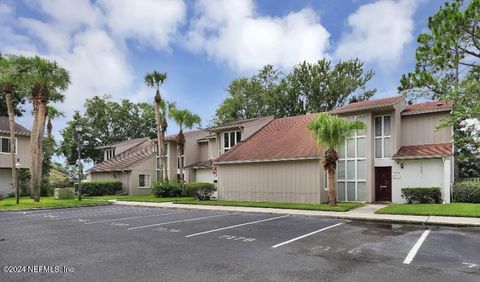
[(234, 33), (379, 32), (149, 21)]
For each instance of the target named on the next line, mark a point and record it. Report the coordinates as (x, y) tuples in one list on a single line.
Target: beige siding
[(146, 167), (283, 181), (23, 153), (421, 129), (203, 147), (111, 176), (172, 160), (212, 148)]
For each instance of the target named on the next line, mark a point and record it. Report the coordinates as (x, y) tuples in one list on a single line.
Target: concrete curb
[(56, 208), (350, 215)]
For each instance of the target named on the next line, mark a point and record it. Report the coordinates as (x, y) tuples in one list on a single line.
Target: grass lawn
[(145, 198), (45, 202), (455, 209), (341, 207)]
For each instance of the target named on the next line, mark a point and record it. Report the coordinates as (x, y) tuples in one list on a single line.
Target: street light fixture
[(18, 165), (79, 129)]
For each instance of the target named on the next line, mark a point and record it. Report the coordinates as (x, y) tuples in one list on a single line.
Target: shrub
[(466, 191), (100, 188), (422, 195), (1, 196), (200, 190), (166, 189)]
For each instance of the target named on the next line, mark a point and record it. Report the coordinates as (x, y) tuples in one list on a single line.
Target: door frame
[(375, 184)]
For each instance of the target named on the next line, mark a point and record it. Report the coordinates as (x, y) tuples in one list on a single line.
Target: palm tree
[(7, 76), (164, 108), (52, 113), (49, 141), (155, 79), (331, 131), (46, 79), (184, 119)]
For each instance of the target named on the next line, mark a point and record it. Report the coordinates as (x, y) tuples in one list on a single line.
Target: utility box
[(64, 193)]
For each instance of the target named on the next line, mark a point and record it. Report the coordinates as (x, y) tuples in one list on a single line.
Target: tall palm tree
[(331, 132), (155, 79), (49, 141), (52, 113), (47, 79), (7, 77), (184, 119), (165, 108)]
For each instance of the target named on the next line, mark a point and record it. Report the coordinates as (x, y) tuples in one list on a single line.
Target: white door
[(5, 181)]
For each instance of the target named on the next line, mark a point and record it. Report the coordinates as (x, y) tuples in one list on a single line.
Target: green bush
[(422, 195), (166, 189), (200, 190), (100, 188), (466, 192)]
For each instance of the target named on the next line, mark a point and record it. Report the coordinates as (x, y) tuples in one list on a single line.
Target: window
[(230, 139), (383, 135), (5, 145), (351, 167), (144, 181), (110, 153)]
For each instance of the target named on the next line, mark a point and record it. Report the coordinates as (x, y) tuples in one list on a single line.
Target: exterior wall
[(172, 161), (417, 173), (421, 129), (203, 154), (124, 177), (23, 152), (205, 175), (282, 181), (212, 149), (5, 181), (146, 167)]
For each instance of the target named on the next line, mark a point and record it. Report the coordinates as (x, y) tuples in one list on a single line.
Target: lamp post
[(79, 131), (17, 188)]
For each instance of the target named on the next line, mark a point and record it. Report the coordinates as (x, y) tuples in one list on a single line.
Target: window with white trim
[(144, 181), (230, 139), (351, 167), (110, 153), (383, 137), (5, 147)]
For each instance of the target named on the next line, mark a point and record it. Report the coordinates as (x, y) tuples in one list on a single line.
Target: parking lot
[(117, 243)]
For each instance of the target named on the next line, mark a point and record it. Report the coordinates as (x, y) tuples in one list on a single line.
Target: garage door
[(5, 181), (205, 175)]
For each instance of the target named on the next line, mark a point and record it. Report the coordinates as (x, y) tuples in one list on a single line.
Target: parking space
[(211, 245)]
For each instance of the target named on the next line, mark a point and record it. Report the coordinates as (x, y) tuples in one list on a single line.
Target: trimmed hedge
[(200, 190), (466, 192), (166, 189), (422, 195), (100, 188)]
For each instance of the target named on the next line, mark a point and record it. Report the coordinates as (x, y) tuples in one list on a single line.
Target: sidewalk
[(363, 213)]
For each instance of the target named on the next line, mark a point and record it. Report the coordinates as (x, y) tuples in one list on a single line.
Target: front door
[(383, 184)]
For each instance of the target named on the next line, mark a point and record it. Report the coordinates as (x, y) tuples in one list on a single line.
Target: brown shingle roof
[(201, 164), (424, 151), (200, 133), (284, 138), (240, 123), (428, 107), (128, 159), (367, 105), (131, 142), (5, 127)]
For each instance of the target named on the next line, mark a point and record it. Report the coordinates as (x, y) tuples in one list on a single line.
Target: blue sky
[(108, 45)]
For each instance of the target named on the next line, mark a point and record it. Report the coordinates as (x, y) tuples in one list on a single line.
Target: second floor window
[(383, 137), (230, 139), (110, 153)]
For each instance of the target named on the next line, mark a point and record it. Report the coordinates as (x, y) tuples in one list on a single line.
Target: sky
[(109, 45)]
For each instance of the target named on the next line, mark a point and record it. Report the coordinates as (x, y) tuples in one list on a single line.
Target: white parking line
[(133, 217), (182, 220), (235, 226), (416, 247), (306, 235)]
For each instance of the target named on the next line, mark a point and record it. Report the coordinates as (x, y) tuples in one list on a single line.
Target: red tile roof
[(128, 159), (367, 105), (284, 138), (424, 151), (428, 107)]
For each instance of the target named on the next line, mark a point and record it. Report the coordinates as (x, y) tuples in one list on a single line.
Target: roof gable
[(5, 127)]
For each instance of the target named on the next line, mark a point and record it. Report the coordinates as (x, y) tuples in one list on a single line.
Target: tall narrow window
[(383, 135), (5, 145), (351, 167)]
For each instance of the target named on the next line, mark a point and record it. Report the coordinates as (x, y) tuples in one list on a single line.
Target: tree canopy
[(309, 87), (104, 122)]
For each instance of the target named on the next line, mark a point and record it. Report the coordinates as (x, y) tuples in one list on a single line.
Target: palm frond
[(332, 130)]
